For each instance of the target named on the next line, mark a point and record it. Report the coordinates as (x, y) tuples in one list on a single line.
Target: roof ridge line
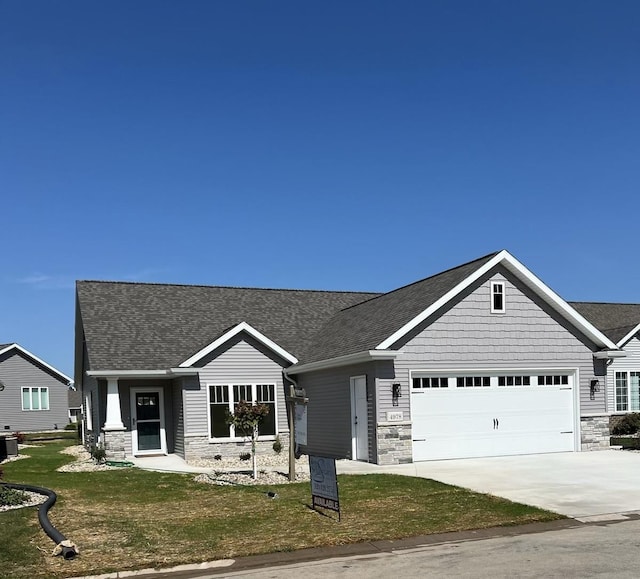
[(145, 283)]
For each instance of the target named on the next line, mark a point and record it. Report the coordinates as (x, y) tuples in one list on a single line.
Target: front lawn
[(133, 519)]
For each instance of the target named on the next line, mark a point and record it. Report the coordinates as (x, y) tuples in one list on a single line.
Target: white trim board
[(241, 327)]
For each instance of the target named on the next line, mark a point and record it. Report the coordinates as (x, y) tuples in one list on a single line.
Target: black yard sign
[(324, 483)]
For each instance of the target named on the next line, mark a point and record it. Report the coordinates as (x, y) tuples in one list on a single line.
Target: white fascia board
[(513, 265), (628, 337), (393, 338), (357, 358), (553, 299), (64, 378), (241, 327)]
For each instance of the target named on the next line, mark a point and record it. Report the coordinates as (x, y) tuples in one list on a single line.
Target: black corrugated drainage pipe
[(64, 547)]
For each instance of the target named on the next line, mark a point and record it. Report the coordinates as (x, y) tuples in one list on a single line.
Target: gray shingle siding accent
[(16, 372), (241, 362), (527, 335), (178, 413), (132, 326), (365, 325)]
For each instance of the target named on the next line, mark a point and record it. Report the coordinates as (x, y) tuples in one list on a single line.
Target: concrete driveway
[(584, 485)]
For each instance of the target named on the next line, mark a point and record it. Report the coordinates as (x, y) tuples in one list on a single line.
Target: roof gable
[(384, 321), (229, 335), (6, 348)]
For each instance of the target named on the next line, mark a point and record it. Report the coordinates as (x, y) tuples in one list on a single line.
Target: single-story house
[(33, 394), (480, 360)]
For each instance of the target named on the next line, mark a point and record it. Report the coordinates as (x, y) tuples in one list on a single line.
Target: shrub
[(245, 456), (12, 497), (19, 437), (277, 445), (627, 424), (71, 426)]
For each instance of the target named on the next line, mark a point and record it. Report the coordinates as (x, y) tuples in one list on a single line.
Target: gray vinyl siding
[(329, 410), (630, 363), (243, 361), (17, 372), (178, 417), (469, 336)]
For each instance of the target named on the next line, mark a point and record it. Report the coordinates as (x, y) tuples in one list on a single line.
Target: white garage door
[(463, 416)]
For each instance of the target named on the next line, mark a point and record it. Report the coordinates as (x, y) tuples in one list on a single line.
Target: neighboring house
[(480, 360), (621, 323), (75, 404), (33, 394)]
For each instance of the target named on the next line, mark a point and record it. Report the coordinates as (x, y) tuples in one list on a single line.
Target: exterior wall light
[(594, 387), (395, 393)]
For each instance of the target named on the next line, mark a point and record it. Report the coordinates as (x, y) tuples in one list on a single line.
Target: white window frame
[(31, 390), (628, 386), (232, 402), (494, 286)]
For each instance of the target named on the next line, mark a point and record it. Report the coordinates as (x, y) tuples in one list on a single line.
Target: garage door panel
[(492, 421)]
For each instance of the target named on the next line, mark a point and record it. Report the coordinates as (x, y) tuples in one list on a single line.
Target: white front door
[(359, 418), (147, 421)]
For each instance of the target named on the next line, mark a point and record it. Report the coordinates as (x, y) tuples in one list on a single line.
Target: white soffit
[(520, 271), (241, 327)]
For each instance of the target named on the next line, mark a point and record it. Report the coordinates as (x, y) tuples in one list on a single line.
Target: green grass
[(160, 520)]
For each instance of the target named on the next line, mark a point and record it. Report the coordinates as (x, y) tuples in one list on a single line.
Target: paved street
[(605, 550)]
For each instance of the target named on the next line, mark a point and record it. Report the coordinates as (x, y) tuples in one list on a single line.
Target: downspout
[(291, 414)]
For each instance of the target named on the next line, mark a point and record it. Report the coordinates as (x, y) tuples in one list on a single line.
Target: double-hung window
[(223, 399), (35, 398), (627, 391)]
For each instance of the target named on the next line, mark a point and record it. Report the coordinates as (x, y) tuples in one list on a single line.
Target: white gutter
[(357, 358), (170, 372)]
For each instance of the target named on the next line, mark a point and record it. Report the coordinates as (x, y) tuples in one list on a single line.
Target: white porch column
[(114, 416)]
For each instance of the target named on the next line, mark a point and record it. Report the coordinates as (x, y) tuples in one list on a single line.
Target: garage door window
[(431, 382), (514, 380), (555, 380), (473, 381)]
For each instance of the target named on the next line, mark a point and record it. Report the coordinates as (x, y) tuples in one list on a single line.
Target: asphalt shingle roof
[(614, 320), (139, 326)]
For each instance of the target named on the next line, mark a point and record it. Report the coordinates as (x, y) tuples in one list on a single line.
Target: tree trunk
[(253, 452)]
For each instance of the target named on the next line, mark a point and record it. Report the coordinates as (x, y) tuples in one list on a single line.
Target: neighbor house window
[(223, 399), (497, 297), (627, 387), (35, 398)]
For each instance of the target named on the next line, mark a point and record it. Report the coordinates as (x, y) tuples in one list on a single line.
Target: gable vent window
[(497, 297)]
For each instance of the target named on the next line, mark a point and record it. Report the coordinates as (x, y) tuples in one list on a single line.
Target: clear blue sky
[(315, 144)]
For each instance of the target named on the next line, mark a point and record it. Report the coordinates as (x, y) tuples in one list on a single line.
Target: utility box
[(8, 446)]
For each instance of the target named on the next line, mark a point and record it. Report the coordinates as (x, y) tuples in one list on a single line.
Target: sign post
[(324, 483), (297, 415)]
